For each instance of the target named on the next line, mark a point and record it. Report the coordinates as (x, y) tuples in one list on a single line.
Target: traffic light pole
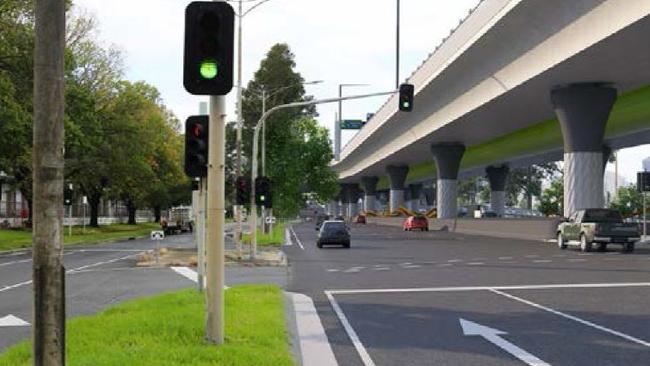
[(216, 221), (256, 135)]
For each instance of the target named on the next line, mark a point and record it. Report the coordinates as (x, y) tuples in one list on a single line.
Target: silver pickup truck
[(597, 226)]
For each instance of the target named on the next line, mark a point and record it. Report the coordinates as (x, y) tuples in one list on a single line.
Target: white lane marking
[(488, 288), (574, 318), (71, 271), (405, 264), (542, 261), (297, 238), (475, 263), (532, 256), (315, 348), (12, 321), (351, 270), (413, 266), (576, 260), (559, 255), (505, 258), (15, 262), (187, 273), (444, 265), (190, 274), (493, 335), (381, 269), (454, 261), (363, 353), (333, 270)]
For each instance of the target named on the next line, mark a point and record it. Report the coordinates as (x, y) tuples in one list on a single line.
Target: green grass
[(17, 239), (168, 330), (276, 237)]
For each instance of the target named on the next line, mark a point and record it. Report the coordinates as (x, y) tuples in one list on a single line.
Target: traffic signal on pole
[(263, 196), (406, 97), (67, 195), (243, 191), (209, 48), (196, 146), (643, 181)]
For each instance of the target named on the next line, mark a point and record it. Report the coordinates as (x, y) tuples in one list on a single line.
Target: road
[(398, 298), (103, 275)]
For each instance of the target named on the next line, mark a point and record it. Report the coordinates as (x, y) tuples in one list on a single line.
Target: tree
[(298, 151), (528, 181), (552, 200), (629, 201)]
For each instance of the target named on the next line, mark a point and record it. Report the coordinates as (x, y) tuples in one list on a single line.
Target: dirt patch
[(187, 257)]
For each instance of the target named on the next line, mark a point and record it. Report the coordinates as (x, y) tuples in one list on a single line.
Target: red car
[(416, 222), (361, 219)]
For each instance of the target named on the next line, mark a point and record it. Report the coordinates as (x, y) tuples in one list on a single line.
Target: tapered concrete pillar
[(497, 177), (415, 191), (583, 110), (369, 186), (350, 198), (447, 157), (397, 176)]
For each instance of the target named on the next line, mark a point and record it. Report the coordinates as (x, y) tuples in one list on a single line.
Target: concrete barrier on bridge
[(520, 228)]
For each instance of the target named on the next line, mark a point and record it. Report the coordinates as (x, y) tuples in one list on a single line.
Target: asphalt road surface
[(437, 298), (99, 276)]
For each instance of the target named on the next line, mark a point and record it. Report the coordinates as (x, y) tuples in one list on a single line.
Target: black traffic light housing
[(263, 194), (196, 146), (406, 92), (643, 181), (209, 48), (67, 195), (243, 190)]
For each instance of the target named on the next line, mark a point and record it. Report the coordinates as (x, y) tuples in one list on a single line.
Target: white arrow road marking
[(190, 274), (12, 321), (493, 335)]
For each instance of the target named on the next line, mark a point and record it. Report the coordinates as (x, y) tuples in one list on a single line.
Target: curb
[(66, 246), (309, 343)]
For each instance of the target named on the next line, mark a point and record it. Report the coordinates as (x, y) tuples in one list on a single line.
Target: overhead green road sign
[(352, 124)]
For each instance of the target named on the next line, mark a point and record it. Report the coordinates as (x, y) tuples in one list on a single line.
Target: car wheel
[(426, 229), (602, 247), (585, 245), (405, 229), (560, 241), (628, 247), (319, 245), (346, 245)]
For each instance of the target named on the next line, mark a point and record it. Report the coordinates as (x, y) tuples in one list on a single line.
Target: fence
[(16, 213)]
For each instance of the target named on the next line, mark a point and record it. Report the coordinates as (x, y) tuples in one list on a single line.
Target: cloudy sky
[(337, 41)]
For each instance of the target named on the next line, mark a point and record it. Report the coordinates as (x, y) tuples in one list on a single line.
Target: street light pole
[(256, 135), (337, 124)]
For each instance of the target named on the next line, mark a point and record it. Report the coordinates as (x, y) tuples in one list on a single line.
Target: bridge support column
[(497, 177), (397, 176), (447, 157), (583, 110), (415, 192), (350, 194), (369, 185)]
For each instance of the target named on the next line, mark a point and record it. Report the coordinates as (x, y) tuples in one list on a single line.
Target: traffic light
[(209, 45), (263, 196), (67, 195), (406, 97), (196, 146), (643, 181), (243, 191)]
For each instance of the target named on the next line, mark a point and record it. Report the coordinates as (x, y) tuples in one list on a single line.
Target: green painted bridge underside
[(631, 113)]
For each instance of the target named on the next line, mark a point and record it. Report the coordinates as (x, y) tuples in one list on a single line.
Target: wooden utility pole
[(48, 274)]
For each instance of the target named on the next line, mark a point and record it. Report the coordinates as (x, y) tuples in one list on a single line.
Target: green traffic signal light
[(209, 69)]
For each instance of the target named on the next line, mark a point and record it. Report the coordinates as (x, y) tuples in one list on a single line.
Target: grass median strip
[(17, 239), (276, 237), (168, 330)]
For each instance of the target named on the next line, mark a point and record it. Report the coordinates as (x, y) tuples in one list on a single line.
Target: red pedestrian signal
[(196, 146)]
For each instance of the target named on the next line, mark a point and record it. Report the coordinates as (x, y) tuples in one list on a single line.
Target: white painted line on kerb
[(574, 318), (363, 353), (315, 348), (297, 238)]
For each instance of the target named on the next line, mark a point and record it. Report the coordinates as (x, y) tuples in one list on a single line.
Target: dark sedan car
[(333, 232)]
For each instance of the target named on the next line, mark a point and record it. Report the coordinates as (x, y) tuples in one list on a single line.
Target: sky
[(336, 41)]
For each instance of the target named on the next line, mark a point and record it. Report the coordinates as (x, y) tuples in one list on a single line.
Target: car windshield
[(602, 216), (334, 226)]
